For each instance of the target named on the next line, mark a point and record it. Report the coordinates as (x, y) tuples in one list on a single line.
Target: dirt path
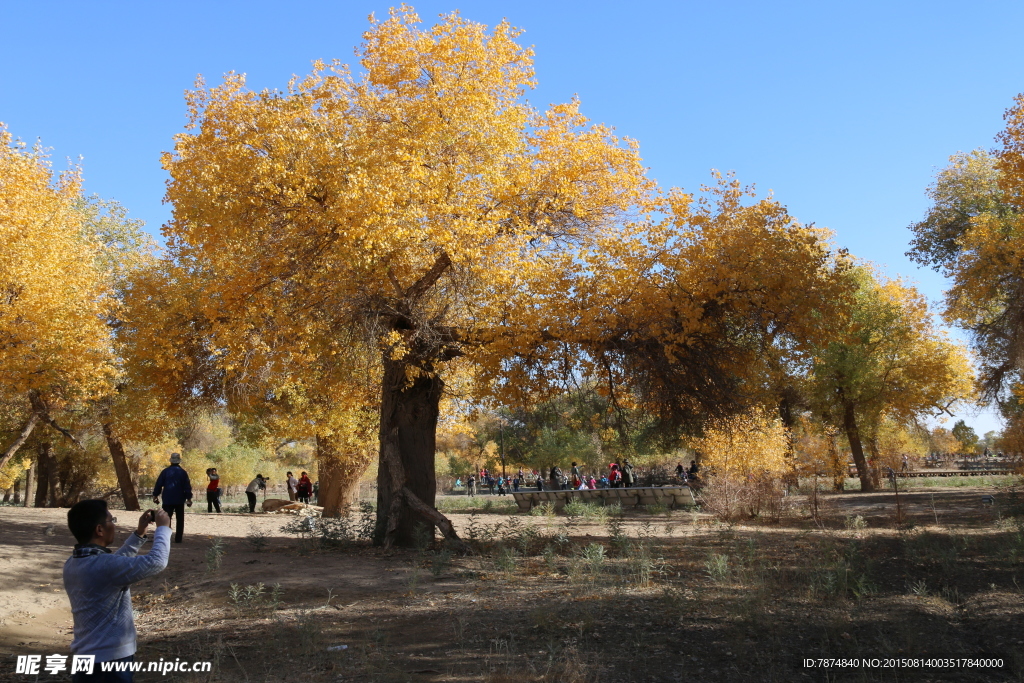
[(521, 612)]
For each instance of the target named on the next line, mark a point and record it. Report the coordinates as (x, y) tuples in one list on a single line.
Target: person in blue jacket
[(177, 489)]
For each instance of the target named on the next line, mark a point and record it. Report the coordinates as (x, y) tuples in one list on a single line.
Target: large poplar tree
[(55, 348), (404, 203)]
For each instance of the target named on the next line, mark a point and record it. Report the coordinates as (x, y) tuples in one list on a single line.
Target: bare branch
[(430, 277), (43, 411)]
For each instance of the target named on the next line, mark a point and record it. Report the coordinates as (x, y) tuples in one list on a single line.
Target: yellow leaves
[(53, 297), (750, 444), (1011, 157), (889, 360), (307, 216)]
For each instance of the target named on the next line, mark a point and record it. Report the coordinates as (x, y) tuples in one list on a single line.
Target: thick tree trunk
[(874, 462), (338, 477), (46, 486), (406, 486), (790, 479), (29, 481), (54, 483), (853, 436), (124, 474), (837, 467)]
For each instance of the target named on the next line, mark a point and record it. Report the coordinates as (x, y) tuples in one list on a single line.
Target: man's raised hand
[(162, 518), (144, 521)]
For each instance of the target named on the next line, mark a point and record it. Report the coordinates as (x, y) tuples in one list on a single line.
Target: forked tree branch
[(42, 410), (418, 288), (22, 437)]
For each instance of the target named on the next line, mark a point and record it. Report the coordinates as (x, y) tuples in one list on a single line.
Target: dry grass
[(680, 597)]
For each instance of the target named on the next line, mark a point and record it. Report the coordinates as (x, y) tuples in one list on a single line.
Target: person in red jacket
[(304, 489), (615, 475), (213, 490)]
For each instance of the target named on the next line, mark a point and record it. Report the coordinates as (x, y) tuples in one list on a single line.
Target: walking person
[(614, 476), (304, 489), (174, 484), (471, 485), (555, 475), (98, 583), (257, 484), (213, 490), (293, 486), (628, 476)]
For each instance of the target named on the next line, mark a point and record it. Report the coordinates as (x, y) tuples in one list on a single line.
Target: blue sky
[(843, 110)]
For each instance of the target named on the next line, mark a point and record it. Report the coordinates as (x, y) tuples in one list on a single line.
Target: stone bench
[(672, 496)]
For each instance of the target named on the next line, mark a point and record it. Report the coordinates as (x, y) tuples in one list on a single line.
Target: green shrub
[(545, 509), (254, 599), (717, 567), (575, 508), (507, 561), (214, 555), (257, 537)]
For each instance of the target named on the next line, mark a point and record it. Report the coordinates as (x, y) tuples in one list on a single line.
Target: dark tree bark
[(72, 483), (837, 465), (787, 404), (410, 395), (124, 474), (46, 487), (406, 485), (29, 481), (408, 424), (338, 477), (856, 447)]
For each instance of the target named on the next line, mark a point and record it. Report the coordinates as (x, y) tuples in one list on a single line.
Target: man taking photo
[(97, 582)]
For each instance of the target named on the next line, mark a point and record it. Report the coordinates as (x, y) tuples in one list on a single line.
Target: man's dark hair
[(83, 518)]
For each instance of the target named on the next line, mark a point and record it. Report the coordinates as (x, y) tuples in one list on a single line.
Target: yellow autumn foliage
[(318, 210), (751, 444), (53, 300)]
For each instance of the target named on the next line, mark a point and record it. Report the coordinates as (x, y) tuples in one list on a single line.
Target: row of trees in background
[(972, 234), (361, 257)]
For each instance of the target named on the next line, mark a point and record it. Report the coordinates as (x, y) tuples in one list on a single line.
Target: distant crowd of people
[(618, 476), (175, 487)]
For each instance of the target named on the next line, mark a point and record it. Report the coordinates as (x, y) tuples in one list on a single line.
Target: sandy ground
[(35, 543), (360, 589)]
